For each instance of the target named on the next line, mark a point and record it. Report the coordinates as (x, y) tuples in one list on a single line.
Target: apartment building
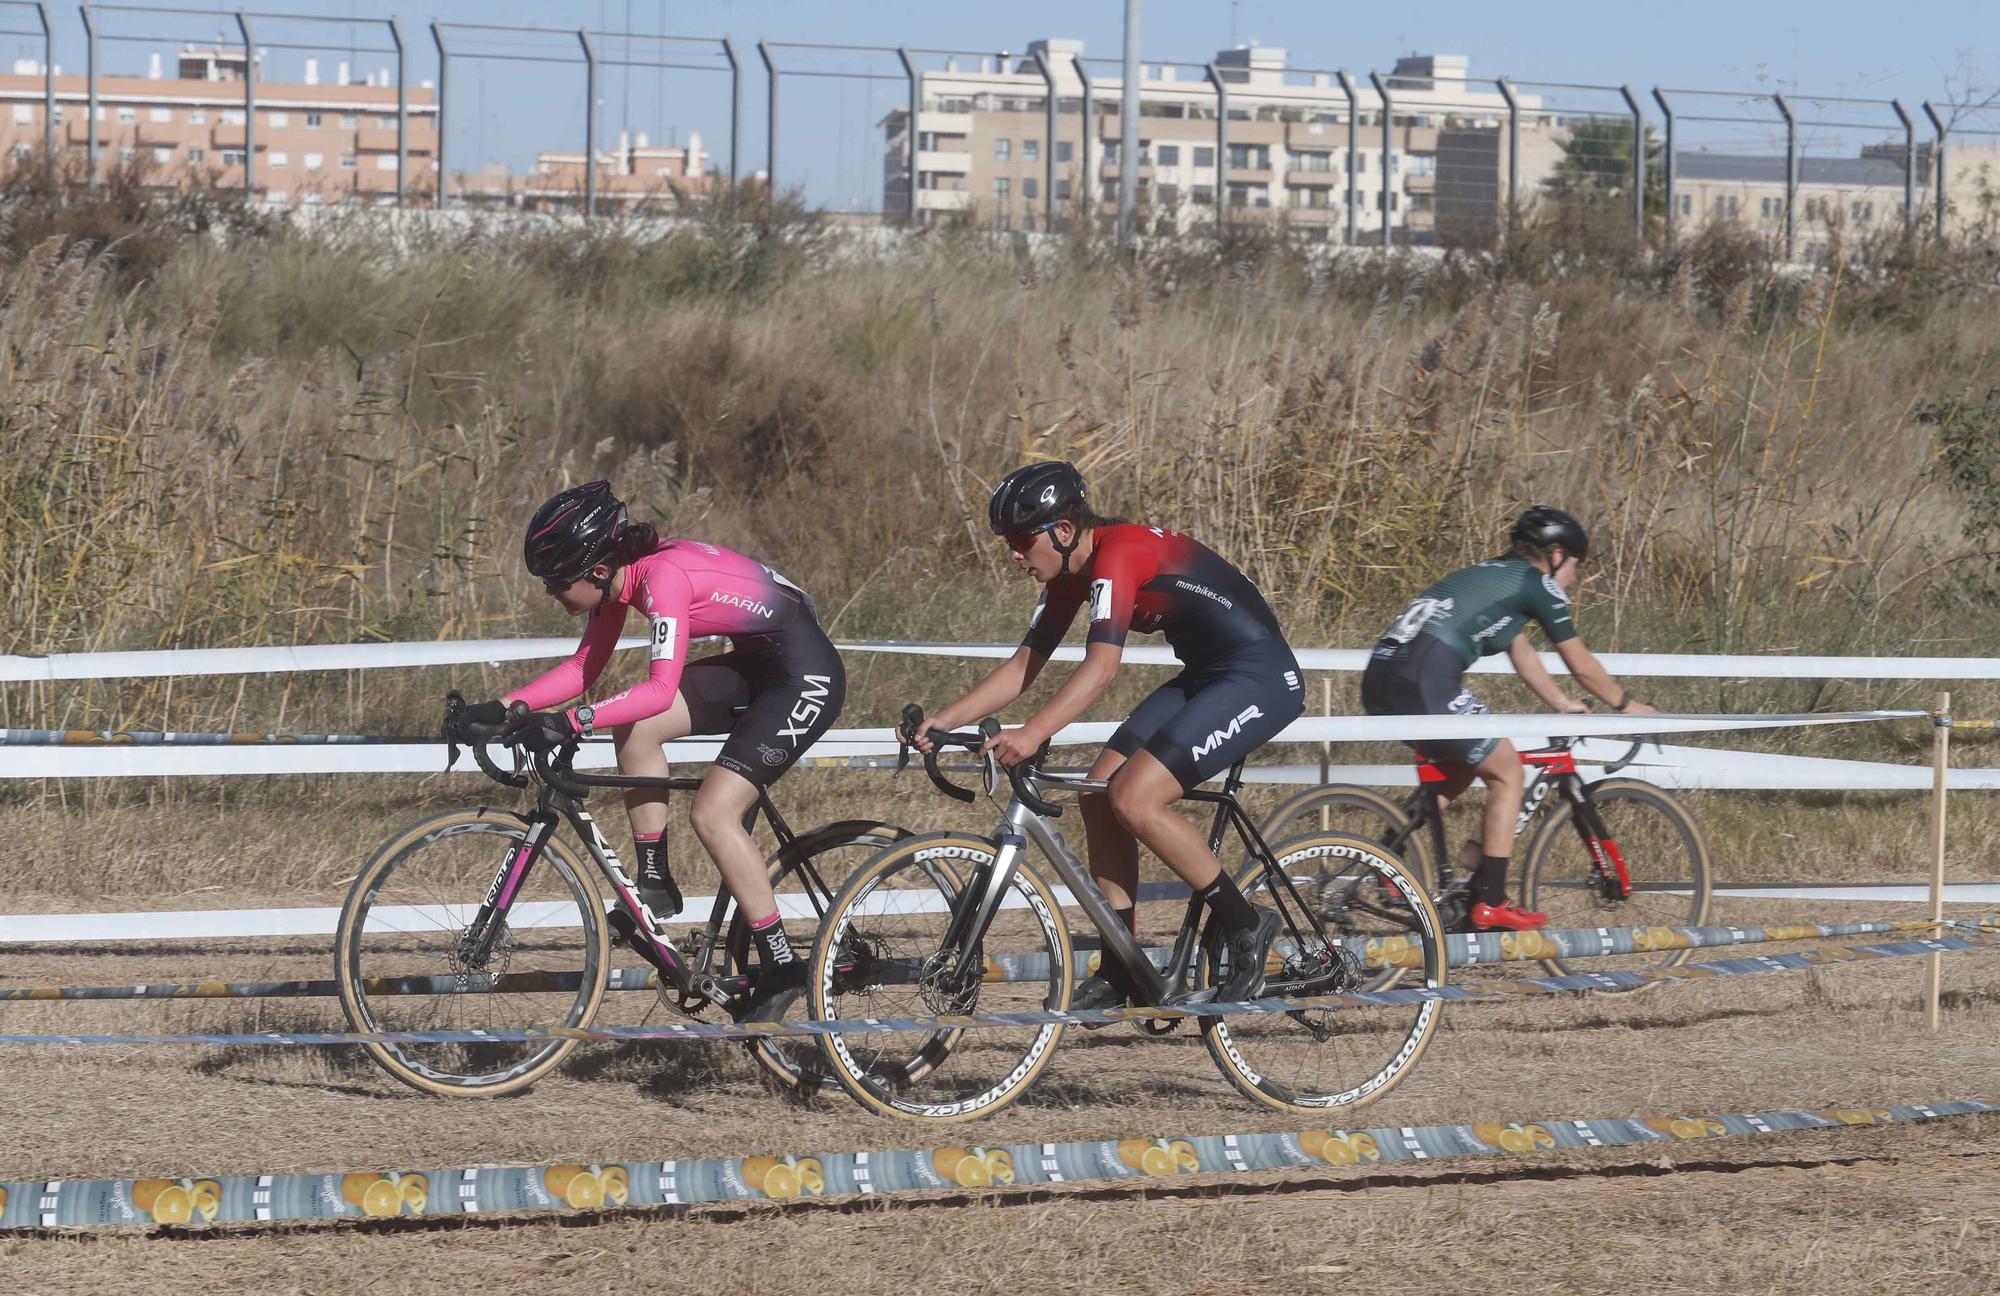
[(1859, 194), (981, 144), (636, 174), (315, 141)]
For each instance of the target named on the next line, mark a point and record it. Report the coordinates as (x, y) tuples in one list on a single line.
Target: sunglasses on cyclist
[(1022, 541)]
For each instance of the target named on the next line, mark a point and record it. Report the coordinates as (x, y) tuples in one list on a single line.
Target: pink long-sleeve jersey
[(685, 589)]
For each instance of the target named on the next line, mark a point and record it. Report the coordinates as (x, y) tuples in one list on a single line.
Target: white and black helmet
[(1036, 496)]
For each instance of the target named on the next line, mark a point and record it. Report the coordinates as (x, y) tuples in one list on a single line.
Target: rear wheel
[(1358, 811), (404, 962), (1664, 855), (1351, 1055)]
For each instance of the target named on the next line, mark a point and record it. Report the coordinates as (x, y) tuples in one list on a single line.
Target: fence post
[(1388, 153), (1791, 177), (910, 136), (1909, 167), (90, 98), (1667, 147), (48, 92), (1128, 130), (1086, 194), (1353, 150), (589, 122), (402, 114), (1048, 141), (1513, 156), (249, 108), (735, 108), (1937, 162), (1638, 164), (1221, 147), (1941, 766), (770, 123), (444, 69)]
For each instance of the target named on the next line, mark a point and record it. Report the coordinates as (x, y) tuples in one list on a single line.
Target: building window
[(1002, 188), (385, 161), (1358, 163), (1170, 194), (1249, 157), (1169, 154), (232, 117), (278, 120), (1204, 155), (1203, 195), (1239, 195), (312, 121), (386, 123), (1110, 191), (1687, 204), (315, 161), (278, 161), (1003, 149), (232, 157), (1854, 211), (1065, 150), (162, 114), (1031, 151), (1867, 212), (197, 156), (163, 155), (1062, 191), (127, 156), (347, 161), (1031, 189), (24, 114), (349, 121), (128, 115), (198, 116), (1315, 161)]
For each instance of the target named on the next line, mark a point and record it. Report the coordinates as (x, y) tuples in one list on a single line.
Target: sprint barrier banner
[(1393, 951), (477, 1190), (1463, 951)]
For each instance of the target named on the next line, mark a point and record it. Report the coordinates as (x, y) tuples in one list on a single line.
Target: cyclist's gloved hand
[(542, 730), (485, 715)]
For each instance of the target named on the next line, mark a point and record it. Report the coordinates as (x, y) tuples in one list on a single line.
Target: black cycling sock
[(774, 948), (1489, 881), (1227, 904)]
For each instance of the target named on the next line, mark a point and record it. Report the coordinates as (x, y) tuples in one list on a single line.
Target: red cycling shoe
[(1506, 916)]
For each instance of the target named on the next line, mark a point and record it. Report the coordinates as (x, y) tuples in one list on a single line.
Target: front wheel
[(1358, 811), (882, 954), (1665, 858), (1351, 1055), (404, 961)]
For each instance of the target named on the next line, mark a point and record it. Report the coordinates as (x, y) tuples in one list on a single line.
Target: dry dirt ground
[(1887, 1210)]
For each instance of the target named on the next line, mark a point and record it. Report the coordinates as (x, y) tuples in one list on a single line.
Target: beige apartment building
[(314, 141), (981, 145), (1857, 194), (637, 174)]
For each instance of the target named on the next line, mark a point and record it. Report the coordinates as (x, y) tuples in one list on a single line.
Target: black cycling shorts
[(1207, 718), (774, 695), (1426, 682)]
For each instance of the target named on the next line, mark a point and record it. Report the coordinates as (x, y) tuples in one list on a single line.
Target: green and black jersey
[(1478, 610)]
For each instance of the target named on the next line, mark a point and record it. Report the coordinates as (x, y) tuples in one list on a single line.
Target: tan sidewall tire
[(1282, 823), (381, 863)]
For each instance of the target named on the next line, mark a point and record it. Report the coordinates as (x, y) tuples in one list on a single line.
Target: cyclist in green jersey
[(1419, 663)]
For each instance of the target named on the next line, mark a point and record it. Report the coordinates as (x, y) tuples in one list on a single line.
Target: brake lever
[(906, 732), (454, 707)]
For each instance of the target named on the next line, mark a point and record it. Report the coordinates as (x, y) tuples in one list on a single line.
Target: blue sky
[(506, 111)]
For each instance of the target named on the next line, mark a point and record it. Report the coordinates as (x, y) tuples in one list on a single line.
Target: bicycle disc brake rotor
[(947, 986)]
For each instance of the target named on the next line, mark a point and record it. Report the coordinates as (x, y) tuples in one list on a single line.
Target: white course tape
[(280, 660), (1650, 665), (219, 924), (1528, 730)]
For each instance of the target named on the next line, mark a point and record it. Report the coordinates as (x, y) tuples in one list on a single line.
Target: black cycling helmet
[(1034, 497), (573, 532), (1543, 527)]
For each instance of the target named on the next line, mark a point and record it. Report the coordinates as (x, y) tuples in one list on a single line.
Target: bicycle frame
[(1555, 770), (1021, 824), (553, 804)]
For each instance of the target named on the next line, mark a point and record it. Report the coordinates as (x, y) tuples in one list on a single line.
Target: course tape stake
[(573, 1188)]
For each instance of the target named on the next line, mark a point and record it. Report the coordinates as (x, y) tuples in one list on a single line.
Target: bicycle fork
[(1607, 862)]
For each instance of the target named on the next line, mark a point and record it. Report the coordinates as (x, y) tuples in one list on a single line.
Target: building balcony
[(225, 136), (1251, 175), (1417, 184), (944, 123), (375, 139), (1315, 179), (955, 163), (944, 199)]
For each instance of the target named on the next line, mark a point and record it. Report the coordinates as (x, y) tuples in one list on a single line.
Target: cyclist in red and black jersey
[(1238, 687)]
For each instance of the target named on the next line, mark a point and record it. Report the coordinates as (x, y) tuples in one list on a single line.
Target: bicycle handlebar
[(971, 740), (551, 765)]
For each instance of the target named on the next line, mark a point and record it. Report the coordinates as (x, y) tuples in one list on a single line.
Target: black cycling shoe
[(1095, 993), (659, 894), (777, 992), (1247, 948)]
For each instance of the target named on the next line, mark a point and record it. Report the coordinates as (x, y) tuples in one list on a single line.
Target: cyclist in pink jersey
[(774, 692)]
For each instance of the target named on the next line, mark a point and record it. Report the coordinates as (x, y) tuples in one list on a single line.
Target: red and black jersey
[(1155, 581)]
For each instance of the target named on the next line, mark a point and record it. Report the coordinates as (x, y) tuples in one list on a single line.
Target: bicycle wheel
[(804, 876), (878, 957), (1664, 855), (1359, 811), (1319, 1058), (400, 965)]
